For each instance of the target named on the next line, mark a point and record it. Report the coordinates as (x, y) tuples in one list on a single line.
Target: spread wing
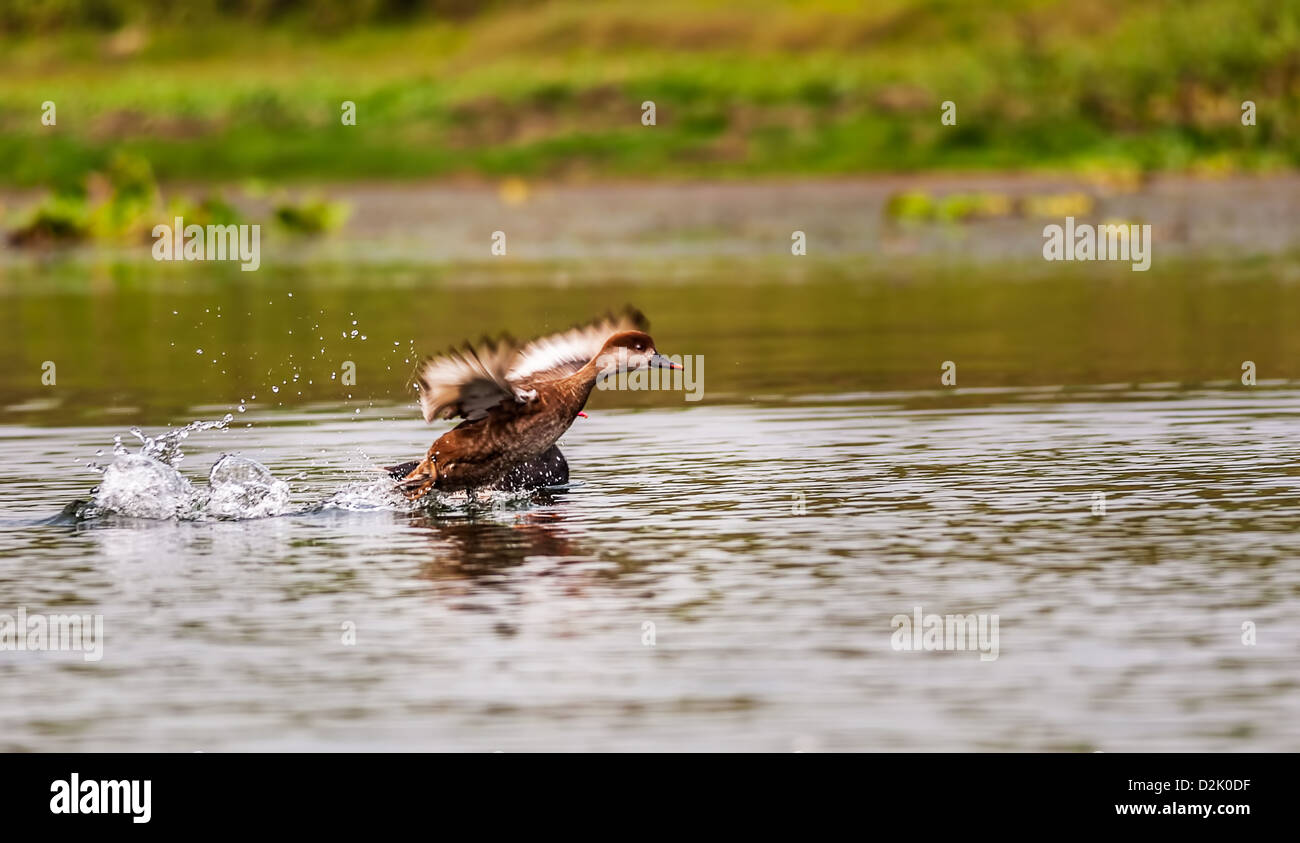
[(560, 355), (467, 381)]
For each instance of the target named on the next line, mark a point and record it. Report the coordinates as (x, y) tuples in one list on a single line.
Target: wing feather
[(560, 355), (467, 381), (471, 380)]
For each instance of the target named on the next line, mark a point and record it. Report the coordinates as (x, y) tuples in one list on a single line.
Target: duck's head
[(628, 351)]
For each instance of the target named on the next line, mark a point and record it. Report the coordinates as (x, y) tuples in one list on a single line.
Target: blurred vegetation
[(121, 204), (49, 15), (58, 220), (920, 206), (313, 215), (227, 89)]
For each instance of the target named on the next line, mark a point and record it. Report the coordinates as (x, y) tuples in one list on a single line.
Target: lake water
[(721, 574)]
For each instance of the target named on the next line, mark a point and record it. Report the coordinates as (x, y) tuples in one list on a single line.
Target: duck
[(516, 401)]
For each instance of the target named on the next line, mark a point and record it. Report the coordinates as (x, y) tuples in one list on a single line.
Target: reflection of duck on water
[(471, 547), (517, 402)]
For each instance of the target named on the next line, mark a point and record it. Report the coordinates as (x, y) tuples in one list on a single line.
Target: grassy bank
[(555, 90)]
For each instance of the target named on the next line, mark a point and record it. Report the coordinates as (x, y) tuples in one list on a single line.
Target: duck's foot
[(414, 494), (415, 478)]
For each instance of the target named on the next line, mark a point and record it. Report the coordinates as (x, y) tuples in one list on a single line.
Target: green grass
[(554, 91)]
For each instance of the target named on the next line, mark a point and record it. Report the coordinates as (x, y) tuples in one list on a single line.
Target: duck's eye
[(640, 346)]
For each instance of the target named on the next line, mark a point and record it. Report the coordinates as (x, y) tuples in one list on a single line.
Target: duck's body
[(550, 469), (482, 452), (518, 403)]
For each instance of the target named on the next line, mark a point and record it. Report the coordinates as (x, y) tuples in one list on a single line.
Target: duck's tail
[(415, 478)]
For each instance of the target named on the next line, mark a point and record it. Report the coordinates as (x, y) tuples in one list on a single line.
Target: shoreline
[(446, 223)]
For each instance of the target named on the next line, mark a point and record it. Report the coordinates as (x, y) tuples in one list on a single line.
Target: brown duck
[(517, 402)]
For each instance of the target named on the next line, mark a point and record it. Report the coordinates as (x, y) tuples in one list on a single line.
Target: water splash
[(140, 486), (385, 494), (166, 447), (378, 494), (147, 484), (239, 487)]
